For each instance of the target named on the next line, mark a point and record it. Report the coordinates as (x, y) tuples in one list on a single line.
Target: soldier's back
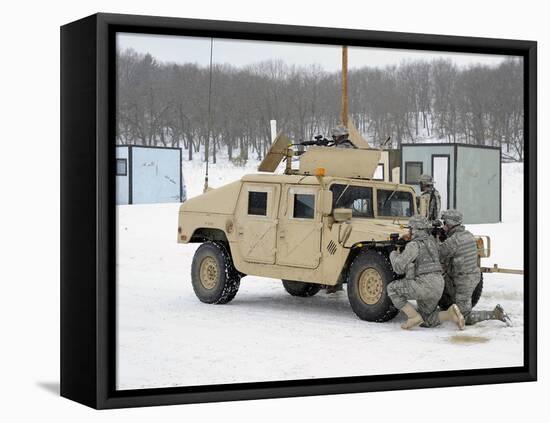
[(427, 260), (465, 259)]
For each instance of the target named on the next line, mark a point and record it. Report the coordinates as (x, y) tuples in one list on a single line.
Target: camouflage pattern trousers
[(461, 288), (425, 289)]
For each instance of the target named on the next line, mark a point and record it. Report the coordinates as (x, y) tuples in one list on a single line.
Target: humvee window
[(304, 206), (257, 203), (356, 198), (394, 203)]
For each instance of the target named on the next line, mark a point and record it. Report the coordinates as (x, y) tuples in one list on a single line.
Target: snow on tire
[(213, 276)]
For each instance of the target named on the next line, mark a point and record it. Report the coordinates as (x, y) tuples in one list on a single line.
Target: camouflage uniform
[(344, 144), (431, 196), (423, 281), (458, 255), (340, 137)]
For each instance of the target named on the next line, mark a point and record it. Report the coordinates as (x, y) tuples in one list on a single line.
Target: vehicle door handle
[(281, 234)]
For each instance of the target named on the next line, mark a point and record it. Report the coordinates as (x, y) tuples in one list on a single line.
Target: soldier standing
[(340, 137), (430, 200), (458, 254), (423, 281)]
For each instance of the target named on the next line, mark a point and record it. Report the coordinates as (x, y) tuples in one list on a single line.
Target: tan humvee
[(315, 227), (319, 226)]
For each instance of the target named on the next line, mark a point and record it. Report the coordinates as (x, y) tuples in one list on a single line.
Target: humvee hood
[(218, 200), (364, 230)]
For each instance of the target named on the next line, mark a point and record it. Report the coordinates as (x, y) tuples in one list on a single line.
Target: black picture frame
[(88, 213)]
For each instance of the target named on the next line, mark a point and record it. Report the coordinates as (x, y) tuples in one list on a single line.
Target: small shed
[(468, 177), (147, 175)]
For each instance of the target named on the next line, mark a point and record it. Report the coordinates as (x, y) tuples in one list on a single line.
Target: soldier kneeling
[(458, 254), (423, 279)]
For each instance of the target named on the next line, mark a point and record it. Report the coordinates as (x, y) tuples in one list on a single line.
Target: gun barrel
[(496, 269), (317, 141)]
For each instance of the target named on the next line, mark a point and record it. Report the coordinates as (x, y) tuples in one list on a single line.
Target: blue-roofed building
[(468, 177), (146, 175)]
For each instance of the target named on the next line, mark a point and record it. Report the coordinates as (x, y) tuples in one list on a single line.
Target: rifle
[(319, 140), (438, 231), (397, 241)]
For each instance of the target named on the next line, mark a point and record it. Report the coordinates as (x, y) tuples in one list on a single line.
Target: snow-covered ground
[(167, 337)]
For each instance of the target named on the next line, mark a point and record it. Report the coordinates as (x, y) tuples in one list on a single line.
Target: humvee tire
[(448, 297), (369, 275), (301, 289), (213, 276)]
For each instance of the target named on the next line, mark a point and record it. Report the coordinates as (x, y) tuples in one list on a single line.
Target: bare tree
[(167, 104)]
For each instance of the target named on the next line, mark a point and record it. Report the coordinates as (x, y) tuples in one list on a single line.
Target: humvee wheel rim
[(209, 272), (370, 286)]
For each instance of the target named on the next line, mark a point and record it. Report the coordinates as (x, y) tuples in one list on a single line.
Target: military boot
[(453, 314), (498, 313), (413, 318)]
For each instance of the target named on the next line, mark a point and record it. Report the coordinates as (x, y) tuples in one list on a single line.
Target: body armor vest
[(464, 261), (427, 260)]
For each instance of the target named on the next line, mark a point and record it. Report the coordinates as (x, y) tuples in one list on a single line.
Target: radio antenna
[(207, 150), (344, 113)]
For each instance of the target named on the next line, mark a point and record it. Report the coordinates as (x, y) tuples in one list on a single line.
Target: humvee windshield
[(356, 198), (394, 203)]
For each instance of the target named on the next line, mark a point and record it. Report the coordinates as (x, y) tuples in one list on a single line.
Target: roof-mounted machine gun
[(318, 140)]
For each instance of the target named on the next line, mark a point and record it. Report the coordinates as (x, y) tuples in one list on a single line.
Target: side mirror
[(342, 215), (326, 202)]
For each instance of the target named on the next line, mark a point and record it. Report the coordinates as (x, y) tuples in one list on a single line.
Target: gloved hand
[(406, 237)]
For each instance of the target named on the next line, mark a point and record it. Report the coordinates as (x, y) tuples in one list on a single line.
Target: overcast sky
[(241, 52)]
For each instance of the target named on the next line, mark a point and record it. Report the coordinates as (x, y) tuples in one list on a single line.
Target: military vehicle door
[(299, 230), (257, 222)]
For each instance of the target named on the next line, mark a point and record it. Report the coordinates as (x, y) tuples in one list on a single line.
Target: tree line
[(167, 104)]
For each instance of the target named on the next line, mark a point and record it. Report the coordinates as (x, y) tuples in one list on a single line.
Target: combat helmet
[(419, 222), (452, 217), (339, 132), (426, 180)]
